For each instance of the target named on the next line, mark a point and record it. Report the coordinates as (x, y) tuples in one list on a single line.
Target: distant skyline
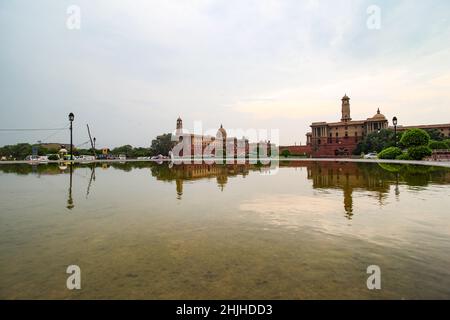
[(134, 67)]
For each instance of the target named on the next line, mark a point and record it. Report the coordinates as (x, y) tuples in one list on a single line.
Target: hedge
[(418, 153), (390, 153), (437, 145)]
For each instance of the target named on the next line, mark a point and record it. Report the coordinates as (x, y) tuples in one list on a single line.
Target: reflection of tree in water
[(346, 176)]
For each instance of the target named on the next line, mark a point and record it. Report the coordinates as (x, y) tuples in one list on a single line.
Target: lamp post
[(71, 118), (394, 121)]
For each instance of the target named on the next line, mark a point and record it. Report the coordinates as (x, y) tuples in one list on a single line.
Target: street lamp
[(394, 121), (71, 118)]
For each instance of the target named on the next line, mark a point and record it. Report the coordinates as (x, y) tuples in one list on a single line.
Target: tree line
[(162, 144)]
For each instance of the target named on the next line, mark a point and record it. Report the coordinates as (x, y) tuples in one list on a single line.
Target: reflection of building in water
[(348, 177), (188, 172)]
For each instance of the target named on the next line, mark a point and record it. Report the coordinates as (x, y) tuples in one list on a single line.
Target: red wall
[(296, 150)]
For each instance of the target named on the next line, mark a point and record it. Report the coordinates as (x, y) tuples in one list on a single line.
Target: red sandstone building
[(339, 139), (330, 139)]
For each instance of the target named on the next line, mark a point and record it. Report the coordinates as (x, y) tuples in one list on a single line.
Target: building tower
[(346, 108), (179, 131)]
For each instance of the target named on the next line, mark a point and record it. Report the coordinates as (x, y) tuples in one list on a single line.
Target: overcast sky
[(135, 66)]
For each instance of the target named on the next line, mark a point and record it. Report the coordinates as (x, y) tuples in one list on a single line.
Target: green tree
[(18, 151), (415, 138), (162, 144), (285, 153), (376, 141), (435, 134), (126, 150), (419, 152)]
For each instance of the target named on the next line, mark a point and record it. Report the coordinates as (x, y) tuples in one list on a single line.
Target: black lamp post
[(71, 118), (394, 121)]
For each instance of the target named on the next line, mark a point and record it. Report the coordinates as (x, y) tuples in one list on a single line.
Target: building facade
[(444, 128), (331, 139), (197, 146)]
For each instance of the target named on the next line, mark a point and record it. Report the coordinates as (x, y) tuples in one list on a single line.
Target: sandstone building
[(330, 139)]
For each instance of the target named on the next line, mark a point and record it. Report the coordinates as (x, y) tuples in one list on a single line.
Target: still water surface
[(148, 231)]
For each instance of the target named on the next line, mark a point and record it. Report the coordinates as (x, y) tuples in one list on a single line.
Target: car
[(32, 158), (86, 158), (122, 157), (36, 158), (371, 155)]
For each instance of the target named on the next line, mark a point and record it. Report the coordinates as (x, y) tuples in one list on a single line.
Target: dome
[(221, 132), (345, 97), (379, 115)]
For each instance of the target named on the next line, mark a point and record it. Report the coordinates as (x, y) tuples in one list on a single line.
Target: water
[(147, 231)]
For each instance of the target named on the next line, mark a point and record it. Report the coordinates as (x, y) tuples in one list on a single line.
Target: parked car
[(32, 158), (122, 157), (86, 158), (371, 155), (37, 158)]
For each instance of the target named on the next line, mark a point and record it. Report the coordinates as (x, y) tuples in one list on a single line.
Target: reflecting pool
[(304, 230)]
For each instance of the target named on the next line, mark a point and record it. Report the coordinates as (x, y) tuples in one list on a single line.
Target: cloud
[(278, 64)]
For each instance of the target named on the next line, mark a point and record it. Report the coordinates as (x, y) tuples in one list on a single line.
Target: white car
[(372, 155), (86, 158)]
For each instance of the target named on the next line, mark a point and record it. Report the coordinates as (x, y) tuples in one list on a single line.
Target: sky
[(133, 67)]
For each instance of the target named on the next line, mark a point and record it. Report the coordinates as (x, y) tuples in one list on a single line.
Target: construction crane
[(90, 138)]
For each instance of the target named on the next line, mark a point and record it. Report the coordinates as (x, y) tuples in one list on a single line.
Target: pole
[(395, 134), (71, 143)]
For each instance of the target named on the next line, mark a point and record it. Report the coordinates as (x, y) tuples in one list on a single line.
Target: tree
[(376, 141), (126, 150), (419, 152), (415, 138), (162, 144), (19, 151), (435, 134), (285, 153)]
